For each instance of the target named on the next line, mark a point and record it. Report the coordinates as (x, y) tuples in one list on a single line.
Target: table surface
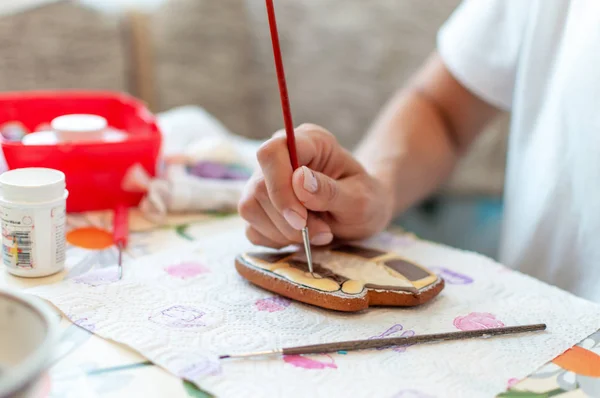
[(89, 366)]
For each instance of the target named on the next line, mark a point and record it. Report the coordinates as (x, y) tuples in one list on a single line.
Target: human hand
[(343, 199)]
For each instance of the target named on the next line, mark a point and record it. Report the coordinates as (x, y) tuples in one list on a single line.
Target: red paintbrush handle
[(285, 102), (121, 226)]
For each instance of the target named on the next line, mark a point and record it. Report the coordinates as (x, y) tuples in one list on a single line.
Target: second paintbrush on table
[(390, 342)]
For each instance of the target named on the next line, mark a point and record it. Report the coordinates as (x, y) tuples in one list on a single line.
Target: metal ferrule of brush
[(306, 240)]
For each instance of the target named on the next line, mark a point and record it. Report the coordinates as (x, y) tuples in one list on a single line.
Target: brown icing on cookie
[(407, 269), (270, 257), (347, 269), (317, 269), (359, 251)]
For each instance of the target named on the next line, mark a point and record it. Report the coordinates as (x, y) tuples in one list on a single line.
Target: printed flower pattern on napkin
[(477, 321), (99, 276), (295, 318), (272, 304), (186, 270), (452, 277), (393, 332), (300, 361), (178, 316), (200, 368)]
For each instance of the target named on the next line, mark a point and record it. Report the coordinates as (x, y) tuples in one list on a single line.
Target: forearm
[(409, 149), (417, 140)]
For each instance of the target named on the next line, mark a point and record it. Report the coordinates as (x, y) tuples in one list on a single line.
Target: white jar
[(33, 218), (40, 138), (79, 128)]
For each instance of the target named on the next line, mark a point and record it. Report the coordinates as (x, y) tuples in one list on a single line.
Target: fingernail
[(310, 182), (321, 239), (294, 219)]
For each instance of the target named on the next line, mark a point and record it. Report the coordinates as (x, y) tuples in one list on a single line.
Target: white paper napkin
[(181, 308)]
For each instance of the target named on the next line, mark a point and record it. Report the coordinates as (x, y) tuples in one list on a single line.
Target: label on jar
[(17, 238), (59, 217)]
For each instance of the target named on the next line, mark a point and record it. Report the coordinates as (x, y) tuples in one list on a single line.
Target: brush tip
[(224, 356)]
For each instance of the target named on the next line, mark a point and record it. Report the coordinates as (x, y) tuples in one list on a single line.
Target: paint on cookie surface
[(270, 257), (362, 267), (332, 266), (395, 331), (307, 363), (353, 287), (186, 270), (452, 277), (477, 321), (318, 269), (178, 316), (359, 251), (272, 304), (407, 269)]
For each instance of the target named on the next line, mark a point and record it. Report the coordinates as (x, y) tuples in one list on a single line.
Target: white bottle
[(79, 127), (33, 218), (85, 128)]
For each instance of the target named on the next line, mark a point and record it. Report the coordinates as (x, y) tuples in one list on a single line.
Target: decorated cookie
[(347, 277)]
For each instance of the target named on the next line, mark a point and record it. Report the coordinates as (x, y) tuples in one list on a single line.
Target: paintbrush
[(355, 345), (120, 233), (287, 114)]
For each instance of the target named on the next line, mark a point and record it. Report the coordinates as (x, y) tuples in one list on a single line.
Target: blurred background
[(343, 59)]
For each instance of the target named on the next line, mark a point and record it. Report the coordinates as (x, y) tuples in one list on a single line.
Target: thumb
[(319, 192)]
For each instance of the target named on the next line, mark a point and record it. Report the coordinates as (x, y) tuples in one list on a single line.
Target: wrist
[(387, 201)]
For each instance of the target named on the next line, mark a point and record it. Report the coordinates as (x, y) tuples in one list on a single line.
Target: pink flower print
[(272, 304), (306, 363), (393, 331), (186, 270), (178, 316), (512, 382), (477, 321)]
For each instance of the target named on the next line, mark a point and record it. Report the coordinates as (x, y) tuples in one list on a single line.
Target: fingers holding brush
[(273, 157), (269, 228), (276, 240), (318, 149), (262, 232)]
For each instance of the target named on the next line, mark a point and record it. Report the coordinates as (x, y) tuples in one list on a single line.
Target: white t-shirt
[(540, 59)]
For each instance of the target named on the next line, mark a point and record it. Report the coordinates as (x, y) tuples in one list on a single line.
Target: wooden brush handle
[(398, 341), (283, 93)]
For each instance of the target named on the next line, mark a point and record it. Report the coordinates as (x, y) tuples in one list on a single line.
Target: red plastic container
[(94, 171)]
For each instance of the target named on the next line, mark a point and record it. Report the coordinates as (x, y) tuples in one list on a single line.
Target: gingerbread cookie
[(348, 277)]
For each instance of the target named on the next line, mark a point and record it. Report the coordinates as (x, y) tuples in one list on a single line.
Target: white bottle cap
[(40, 138), (79, 127), (32, 185)]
